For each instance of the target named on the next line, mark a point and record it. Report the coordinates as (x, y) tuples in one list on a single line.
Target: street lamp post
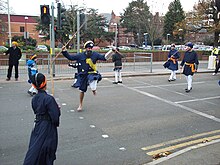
[(9, 25), (25, 33), (168, 37), (145, 39), (116, 33)]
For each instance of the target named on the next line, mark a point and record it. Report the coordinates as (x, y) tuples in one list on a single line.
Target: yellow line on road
[(179, 140), (183, 145)]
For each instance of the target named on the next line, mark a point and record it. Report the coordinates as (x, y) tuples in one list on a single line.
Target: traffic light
[(61, 17), (45, 14)]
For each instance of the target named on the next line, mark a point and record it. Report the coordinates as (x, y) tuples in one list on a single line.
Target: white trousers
[(93, 85), (173, 75), (118, 76), (189, 81), (32, 89)]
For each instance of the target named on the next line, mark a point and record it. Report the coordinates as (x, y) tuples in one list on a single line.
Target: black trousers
[(10, 70), (217, 66)]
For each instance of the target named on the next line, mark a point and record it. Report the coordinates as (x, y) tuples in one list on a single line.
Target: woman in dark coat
[(44, 136), (190, 63)]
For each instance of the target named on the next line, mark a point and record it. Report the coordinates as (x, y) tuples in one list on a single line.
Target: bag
[(166, 64)]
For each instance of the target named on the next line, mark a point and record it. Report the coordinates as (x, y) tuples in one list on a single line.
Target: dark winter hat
[(189, 44), (173, 45), (39, 81), (88, 44)]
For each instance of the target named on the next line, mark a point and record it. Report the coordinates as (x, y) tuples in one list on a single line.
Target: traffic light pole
[(52, 39)]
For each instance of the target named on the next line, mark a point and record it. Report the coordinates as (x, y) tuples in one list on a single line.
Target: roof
[(19, 18)]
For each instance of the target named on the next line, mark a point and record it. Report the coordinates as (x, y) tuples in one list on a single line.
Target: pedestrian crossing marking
[(179, 140)]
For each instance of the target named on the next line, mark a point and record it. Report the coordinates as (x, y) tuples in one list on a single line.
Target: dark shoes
[(188, 90), (8, 79), (172, 80), (117, 82)]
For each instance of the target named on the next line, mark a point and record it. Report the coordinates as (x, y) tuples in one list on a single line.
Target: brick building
[(19, 24), (122, 39)]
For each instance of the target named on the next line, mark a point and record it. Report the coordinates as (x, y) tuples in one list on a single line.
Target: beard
[(88, 53)]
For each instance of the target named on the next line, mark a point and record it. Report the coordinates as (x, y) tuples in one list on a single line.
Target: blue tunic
[(44, 137), (190, 57), (85, 75), (176, 55)]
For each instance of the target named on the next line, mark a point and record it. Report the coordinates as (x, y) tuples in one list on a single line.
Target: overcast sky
[(32, 7)]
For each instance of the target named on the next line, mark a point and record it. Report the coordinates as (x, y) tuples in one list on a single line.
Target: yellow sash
[(192, 66), (92, 65)]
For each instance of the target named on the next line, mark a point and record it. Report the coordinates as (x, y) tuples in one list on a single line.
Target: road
[(119, 126)]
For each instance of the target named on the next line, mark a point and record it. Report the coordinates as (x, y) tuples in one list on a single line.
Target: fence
[(140, 62)]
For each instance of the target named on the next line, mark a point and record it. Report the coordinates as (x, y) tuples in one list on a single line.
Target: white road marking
[(167, 85), (175, 104), (105, 136), (172, 103), (202, 99), (92, 126)]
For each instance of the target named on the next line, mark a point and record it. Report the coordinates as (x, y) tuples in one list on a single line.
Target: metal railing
[(140, 62)]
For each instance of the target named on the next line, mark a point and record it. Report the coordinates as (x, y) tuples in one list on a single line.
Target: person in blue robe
[(173, 57), (190, 63), (44, 137), (88, 74)]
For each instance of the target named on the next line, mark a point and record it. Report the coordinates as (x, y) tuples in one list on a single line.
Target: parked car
[(42, 48), (124, 48), (3, 48), (108, 47)]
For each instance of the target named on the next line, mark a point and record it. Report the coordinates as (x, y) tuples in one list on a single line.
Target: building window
[(21, 28)]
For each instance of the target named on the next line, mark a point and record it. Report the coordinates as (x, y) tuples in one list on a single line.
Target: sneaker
[(16, 79), (30, 93), (187, 89), (7, 79), (172, 80), (120, 82), (214, 74)]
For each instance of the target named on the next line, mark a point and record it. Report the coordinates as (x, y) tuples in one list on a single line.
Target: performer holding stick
[(88, 74)]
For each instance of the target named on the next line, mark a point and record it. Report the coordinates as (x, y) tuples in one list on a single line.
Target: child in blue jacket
[(32, 70)]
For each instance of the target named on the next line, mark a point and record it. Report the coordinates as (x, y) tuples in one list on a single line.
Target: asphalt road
[(119, 126)]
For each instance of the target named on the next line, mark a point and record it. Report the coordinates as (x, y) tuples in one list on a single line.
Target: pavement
[(207, 153)]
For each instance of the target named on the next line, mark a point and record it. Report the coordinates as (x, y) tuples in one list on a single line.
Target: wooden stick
[(69, 41), (53, 60)]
